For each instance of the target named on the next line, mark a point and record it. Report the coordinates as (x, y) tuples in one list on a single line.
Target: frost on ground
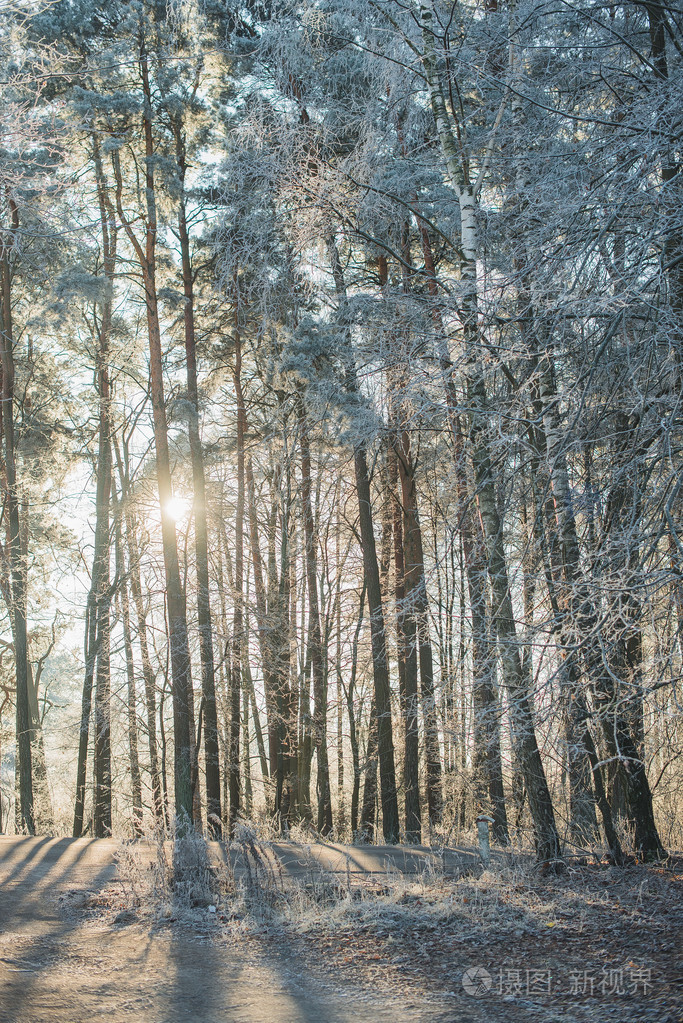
[(596, 943)]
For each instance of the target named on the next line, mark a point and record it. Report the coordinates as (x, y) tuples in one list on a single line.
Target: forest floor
[(286, 933)]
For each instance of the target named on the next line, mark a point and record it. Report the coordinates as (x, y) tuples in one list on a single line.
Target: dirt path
[(56, 967), (381, 937)]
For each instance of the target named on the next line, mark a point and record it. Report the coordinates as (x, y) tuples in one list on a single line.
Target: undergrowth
[(184, 880)]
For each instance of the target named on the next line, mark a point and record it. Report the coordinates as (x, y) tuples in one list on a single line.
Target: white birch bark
[(457, 167)]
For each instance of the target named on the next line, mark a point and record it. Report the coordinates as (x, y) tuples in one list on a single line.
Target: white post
[(483, 822)]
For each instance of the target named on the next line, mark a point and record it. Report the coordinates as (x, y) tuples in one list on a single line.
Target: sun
[(178, 508)]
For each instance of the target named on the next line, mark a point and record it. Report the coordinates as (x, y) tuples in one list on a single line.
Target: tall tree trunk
[(341, 801), (418, 647), (540, 803), (385, 742), (4, 700), (248, 684), (621, 691), (351, 711), (407, 655), (558, 556), (382, 689), (26, 816), (175, 596), (487, 765), (102, 722), (148, 675), (44, 816), (102, 606), (246, 754), (279, 642), (90, 653), (671, 176), (211, 755), (417, 607), (325, 823), (406, 658), (366, 827), (518, 685), (262, 623), (305, 744), (238, 632), (131, 702), (303, 689), (99, 599)]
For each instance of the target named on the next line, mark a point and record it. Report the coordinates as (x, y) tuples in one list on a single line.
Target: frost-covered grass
[(501, 901), (183, 884), (178, 883)]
